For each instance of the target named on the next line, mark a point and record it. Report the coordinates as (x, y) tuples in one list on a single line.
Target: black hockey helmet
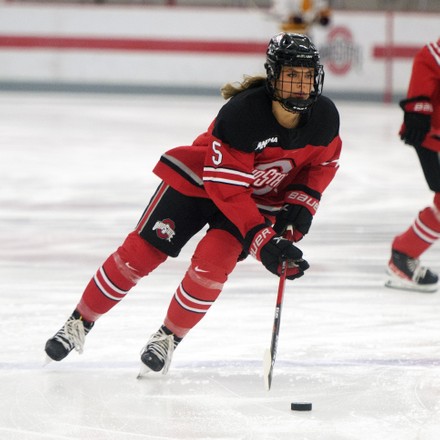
[(295, 50)]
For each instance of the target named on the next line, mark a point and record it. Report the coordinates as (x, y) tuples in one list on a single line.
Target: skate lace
[(162, 345), (419, 273), (417, 270), (413, 264), (72, 335)]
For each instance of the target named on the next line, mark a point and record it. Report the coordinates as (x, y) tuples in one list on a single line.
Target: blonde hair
[(231, 89)]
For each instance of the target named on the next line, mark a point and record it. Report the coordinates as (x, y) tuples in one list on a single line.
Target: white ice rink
[(75, 173)]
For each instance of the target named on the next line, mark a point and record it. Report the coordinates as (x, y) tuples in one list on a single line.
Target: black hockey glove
[(417, 120), (298, 212), (298, 217), (263, 244), (245, 252)]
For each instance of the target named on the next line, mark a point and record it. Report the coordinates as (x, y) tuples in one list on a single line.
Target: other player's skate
[(157, 354), (70, 336), (406, 273)]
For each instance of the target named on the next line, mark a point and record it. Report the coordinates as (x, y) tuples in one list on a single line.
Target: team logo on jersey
[(268, 176), (263, 144), (165, 229)]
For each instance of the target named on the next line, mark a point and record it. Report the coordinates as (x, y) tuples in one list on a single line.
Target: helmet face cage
[(293, 50)]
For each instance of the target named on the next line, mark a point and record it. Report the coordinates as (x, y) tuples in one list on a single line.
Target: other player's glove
[(264, 245), (417, 120)]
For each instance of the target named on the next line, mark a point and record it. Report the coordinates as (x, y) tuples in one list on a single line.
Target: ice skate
[(406, 273), (157, 354), (70, 336)]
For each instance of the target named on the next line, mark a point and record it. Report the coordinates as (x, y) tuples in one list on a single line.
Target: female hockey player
[(265, 160), (421, 129)]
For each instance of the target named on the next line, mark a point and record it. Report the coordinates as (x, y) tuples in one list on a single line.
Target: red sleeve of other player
[(425, 74), (425, 81)]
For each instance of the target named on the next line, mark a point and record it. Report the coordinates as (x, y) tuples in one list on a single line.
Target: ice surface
[(75, 176)]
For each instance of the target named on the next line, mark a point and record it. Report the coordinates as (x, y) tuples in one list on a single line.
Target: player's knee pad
[(215, 256), (430, 217), (136, 257), (435, 211)]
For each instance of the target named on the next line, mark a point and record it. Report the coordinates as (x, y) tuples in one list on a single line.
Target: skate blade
[(144, 370), (47, 361), (397, 283)]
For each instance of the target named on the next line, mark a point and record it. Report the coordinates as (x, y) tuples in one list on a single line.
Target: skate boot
[(70, 336), (406, 273), (157, 354)]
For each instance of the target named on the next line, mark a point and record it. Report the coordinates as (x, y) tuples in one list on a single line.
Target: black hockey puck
[(301, 406)]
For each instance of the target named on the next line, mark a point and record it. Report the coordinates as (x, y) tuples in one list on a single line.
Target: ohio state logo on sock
[(165, 229)]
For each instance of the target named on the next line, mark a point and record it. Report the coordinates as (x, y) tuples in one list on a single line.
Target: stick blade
[(267, 369)]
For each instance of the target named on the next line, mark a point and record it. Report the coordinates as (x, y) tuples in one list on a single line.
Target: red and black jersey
[(246, 162), (425, 81)]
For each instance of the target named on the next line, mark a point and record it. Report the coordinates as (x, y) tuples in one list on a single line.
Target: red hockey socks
[(214, 259), (421, 235), (121, 271)]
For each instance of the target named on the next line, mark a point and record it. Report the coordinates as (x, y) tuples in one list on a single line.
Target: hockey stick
[(271, 354)]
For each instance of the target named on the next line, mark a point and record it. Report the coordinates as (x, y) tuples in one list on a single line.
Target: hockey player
[(421, 129), (262, 165)]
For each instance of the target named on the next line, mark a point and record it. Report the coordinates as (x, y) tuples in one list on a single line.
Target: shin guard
[(214, 259), (420, 235), (134, 259)]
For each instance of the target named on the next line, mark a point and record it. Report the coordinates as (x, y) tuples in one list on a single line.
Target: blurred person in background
[(260, 168), (301, 15), (421, 129)]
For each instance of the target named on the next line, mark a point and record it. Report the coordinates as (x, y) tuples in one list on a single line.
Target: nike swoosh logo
[(131, 267), (197, 269)]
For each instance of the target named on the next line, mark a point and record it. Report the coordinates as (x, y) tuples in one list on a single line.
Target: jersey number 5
[(217, 157)]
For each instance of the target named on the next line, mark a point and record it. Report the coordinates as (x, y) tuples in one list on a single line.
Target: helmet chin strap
[(296, 105)]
